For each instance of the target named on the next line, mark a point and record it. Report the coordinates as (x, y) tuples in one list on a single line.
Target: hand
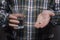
[(43, 19), (13, 21)]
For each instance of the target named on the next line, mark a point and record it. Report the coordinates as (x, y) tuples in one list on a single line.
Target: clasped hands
[(42, 19)]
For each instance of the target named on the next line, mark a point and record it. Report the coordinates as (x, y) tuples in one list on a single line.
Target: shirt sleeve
[(51, 5), (3, 13)]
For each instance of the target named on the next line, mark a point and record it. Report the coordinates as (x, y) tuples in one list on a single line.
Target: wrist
[(3, 20)]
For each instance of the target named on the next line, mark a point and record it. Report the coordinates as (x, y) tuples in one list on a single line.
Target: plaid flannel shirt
[(56, 9), (30, 8)]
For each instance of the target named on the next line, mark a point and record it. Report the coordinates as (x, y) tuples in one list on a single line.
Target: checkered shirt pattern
[(30, 8), (56, 18)]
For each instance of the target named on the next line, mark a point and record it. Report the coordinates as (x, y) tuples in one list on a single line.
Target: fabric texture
[(30, 8)]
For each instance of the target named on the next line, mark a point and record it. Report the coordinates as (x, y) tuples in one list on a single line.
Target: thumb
[(52, 14), (48, 12)]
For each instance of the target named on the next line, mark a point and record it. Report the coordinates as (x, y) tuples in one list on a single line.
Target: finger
[(14, 21), (48, 12), (13, 25), (52, 14), (12, 17), (19, 15)]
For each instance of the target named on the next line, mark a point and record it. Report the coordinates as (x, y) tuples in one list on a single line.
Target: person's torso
[(31, 9)]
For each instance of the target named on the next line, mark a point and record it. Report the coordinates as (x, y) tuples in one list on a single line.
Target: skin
[(13, 21), (42, 19)]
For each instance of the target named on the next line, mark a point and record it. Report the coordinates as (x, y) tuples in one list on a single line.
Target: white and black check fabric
[(56, 7), (30, 8)]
